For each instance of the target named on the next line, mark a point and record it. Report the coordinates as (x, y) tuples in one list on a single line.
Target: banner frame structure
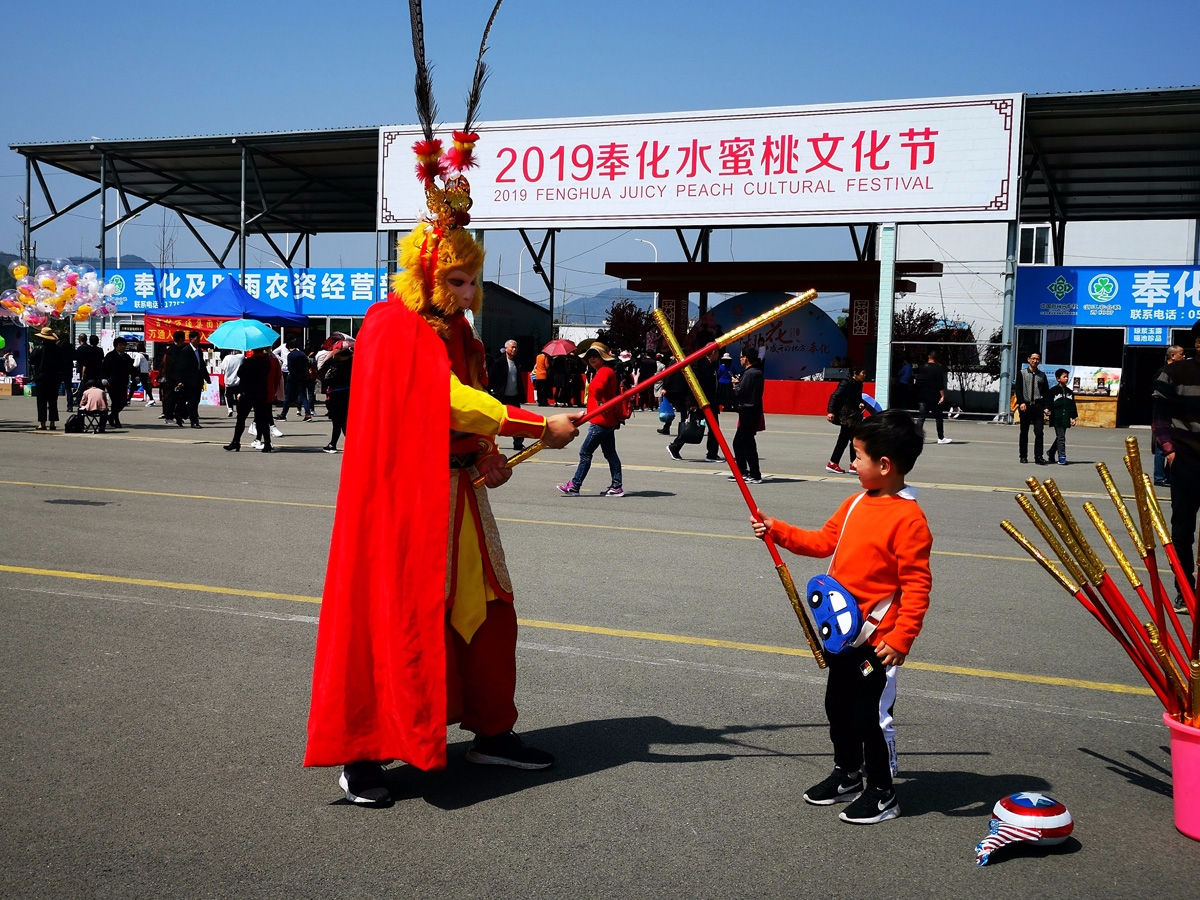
[(945, 159)]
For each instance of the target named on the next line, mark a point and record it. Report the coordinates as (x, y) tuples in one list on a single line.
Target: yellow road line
[(108, 490), (151, 582), (656, 636), (701, 534)]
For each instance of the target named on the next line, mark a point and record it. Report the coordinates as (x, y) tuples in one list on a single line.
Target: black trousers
[(47, 402), (1185, 504), (187, 403), (712, 449), (845, 439), (1034, 416), (337, 404), (262, 419), (118, 396), (852, 707), (172, 399), (927, 407), (745, 447)]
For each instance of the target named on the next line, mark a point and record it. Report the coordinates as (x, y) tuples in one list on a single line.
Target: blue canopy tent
[(229, 300)]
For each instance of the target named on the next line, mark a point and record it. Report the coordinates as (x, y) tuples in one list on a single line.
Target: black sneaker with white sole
[(674, 453), (507, 749), (364, 784), (840, 787), (872, 807)]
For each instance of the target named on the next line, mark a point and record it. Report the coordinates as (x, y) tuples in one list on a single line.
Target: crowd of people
[(252, 382)]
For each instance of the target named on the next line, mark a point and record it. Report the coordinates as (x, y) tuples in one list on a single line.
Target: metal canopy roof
[(1114, 156), (1118, 155), (312, 182)]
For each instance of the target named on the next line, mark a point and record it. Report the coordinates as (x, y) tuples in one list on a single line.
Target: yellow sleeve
[(477, 412), (474, 411)]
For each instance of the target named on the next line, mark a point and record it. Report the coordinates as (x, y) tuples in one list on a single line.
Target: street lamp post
[(655, 249), (120, 226), (520, 263)]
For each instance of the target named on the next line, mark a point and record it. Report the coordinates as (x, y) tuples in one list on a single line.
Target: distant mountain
[(593, 310), (127, 259)]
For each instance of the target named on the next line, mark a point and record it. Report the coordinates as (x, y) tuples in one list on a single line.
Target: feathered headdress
[(440, 242)]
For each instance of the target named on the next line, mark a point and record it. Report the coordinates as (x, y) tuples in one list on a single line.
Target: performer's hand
[(888, 655), (561, 430), (494, 471), (761, 527)]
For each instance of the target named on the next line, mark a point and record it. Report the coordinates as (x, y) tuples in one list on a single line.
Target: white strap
[(843, 531), (879, 610)]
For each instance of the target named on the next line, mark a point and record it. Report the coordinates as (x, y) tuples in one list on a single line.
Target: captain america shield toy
[(1028, 816)]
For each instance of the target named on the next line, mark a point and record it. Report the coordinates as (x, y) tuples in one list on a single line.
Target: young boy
[(880, 545), (1063, 414)]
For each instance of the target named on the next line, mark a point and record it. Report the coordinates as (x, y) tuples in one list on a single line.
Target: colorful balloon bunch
[(56, 290)]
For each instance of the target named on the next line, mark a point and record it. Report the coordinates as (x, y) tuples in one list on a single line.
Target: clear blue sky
[(127, 70)]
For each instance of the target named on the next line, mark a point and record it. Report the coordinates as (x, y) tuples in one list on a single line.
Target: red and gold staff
[(810, 632), (730, 337)]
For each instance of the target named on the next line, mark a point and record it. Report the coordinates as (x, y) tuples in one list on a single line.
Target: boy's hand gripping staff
[(810, 632), (730, 337)]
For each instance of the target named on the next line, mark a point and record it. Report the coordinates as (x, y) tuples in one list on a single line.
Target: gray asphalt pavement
[(159, 602)]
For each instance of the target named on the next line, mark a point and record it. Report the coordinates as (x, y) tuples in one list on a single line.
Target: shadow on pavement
[(961, 793), (581, 748), (1026, 850), (1139, 777)]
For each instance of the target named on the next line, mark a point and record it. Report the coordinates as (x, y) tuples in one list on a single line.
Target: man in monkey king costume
[(417, 628)]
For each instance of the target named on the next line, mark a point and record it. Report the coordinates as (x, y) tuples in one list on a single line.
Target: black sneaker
[(1180, 606), (507, 749), (364, 784), (840, 787), (872, 807), (674, 453)]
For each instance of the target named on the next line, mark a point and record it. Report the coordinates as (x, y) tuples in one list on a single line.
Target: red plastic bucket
[(1185, 773)]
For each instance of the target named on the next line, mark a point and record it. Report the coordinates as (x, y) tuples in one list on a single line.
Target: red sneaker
[(853, 469), (834, 469)]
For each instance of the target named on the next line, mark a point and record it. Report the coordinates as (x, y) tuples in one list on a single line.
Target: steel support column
[(103, 210), (887, 311), (27, 225), (242, 223), (1008, 327)]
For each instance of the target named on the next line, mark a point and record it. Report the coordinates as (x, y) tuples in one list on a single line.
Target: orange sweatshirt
[(885, 549)]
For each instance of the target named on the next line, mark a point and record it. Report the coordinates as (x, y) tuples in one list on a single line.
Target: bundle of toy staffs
[(1167, 657), (684, 363)]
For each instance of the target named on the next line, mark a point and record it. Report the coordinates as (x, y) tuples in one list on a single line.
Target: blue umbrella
[(243, 334), (872, 403)]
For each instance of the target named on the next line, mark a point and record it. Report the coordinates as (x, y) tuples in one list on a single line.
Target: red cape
[(379, 677)]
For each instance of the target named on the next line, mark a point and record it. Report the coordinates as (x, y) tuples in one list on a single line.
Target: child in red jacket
[(880, 545)]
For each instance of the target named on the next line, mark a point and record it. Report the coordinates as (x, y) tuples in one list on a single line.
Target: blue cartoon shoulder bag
[(840, 621)]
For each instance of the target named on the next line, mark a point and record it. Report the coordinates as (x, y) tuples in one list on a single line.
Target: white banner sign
[(951, 159)]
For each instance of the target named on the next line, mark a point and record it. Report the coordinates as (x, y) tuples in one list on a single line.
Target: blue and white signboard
[(313, 292), (1147, 300)]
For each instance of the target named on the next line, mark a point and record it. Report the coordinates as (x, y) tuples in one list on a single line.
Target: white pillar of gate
[(887, 311)]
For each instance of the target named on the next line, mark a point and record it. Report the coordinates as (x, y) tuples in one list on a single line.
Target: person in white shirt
[(229, 371), (141, 365)]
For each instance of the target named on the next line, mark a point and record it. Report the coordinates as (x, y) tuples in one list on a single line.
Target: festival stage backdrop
[(799, 345)]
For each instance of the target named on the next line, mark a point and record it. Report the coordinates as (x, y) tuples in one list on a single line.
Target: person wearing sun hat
[(602, 432), (47, 363)]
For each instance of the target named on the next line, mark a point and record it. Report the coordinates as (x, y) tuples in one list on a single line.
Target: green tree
[(627, 326)]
